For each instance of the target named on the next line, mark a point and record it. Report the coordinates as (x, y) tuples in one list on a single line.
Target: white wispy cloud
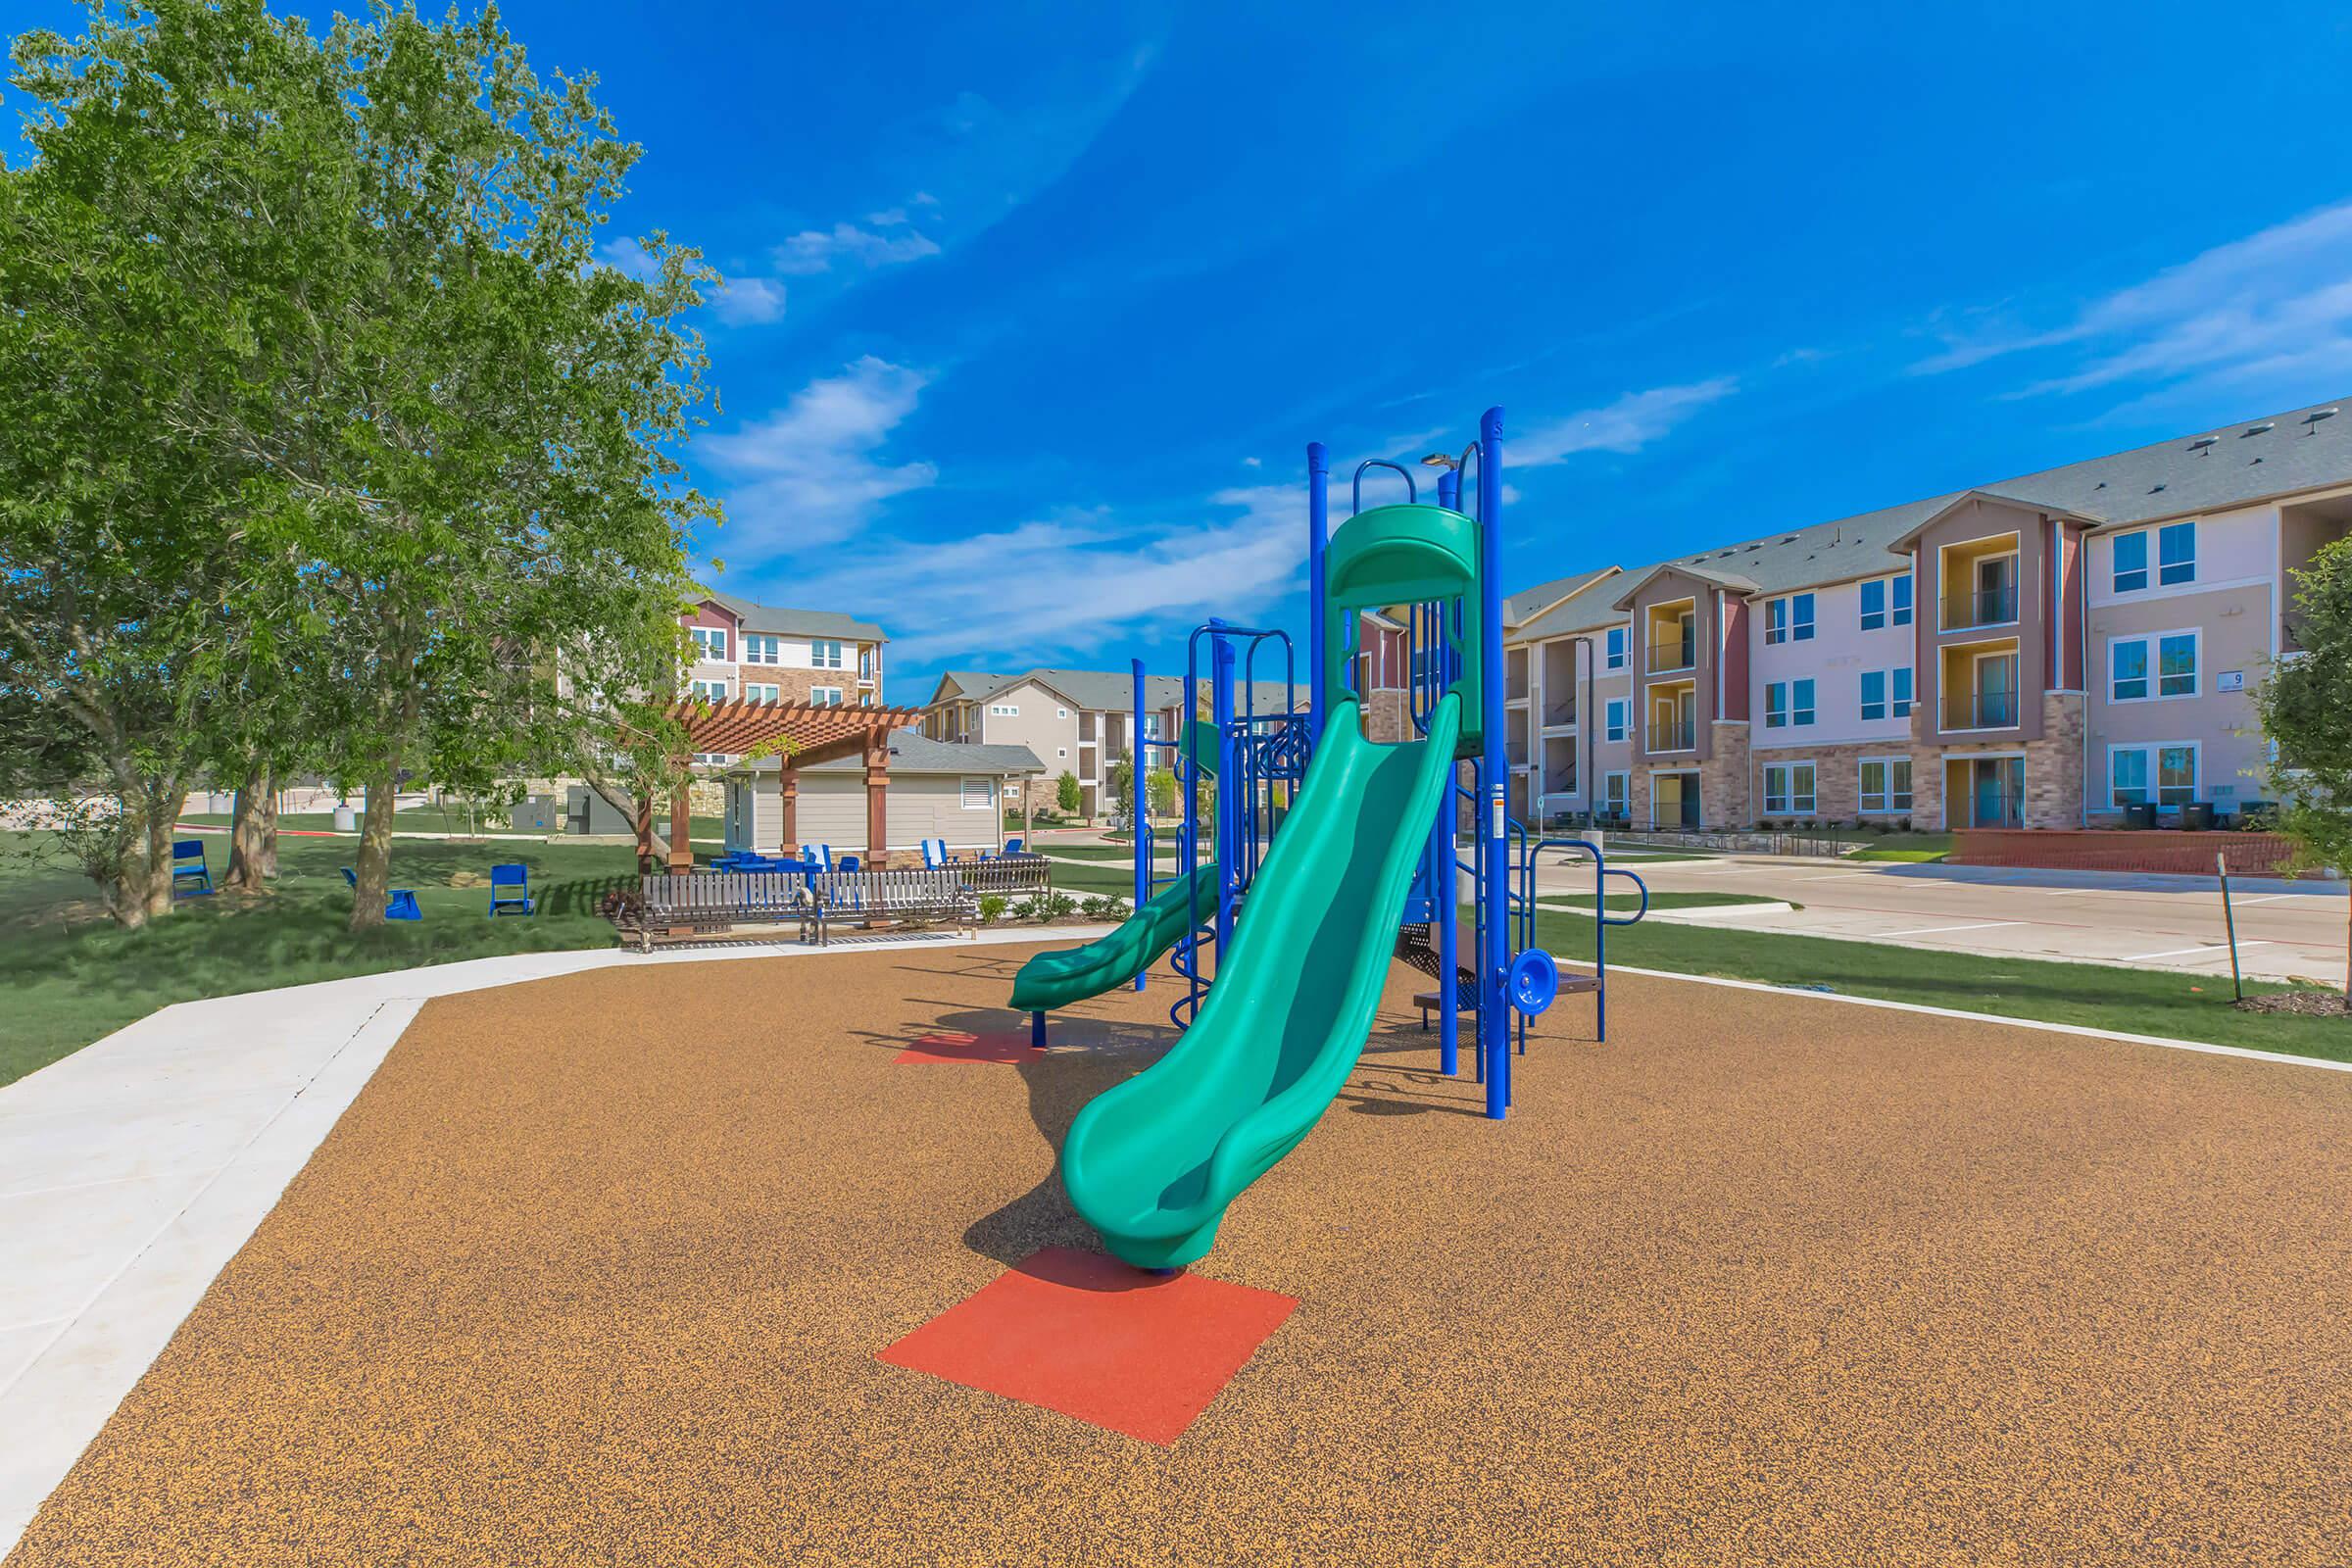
[(750, 301), (818, 249), (2272, 308), (811, 472), (1068, 584), (629, 257), (1625, 426)]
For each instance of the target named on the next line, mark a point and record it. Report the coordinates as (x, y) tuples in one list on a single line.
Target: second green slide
[(1072, 974)]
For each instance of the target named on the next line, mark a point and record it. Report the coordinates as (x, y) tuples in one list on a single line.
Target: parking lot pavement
[(2284, 930)]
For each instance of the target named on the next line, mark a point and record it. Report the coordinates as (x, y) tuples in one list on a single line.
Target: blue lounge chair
[(1013, 846), (188, 867), (514, 875), (819, 856), (400, 903), (935, 853)]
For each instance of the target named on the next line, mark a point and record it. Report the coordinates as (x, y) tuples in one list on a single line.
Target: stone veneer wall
[(1724, 787), (1838, 781), (2054, 764)]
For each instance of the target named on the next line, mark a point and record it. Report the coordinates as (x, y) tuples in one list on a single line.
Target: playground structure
[(1284, 938)]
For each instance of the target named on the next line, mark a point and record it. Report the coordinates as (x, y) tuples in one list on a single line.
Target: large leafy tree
[(464, 423), (2306, 710), (132, 551)]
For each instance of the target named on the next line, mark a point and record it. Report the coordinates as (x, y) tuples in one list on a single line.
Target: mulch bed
[(2309, 1004)]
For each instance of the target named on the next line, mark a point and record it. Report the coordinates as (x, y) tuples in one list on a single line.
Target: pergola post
[(877, 799), (644, 833), (789, 788), (681, 831)]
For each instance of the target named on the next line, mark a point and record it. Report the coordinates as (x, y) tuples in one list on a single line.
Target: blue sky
[(1034, 306)]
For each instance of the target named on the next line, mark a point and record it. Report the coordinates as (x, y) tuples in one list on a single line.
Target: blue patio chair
[(514, 875), (818, 855), (400, 903), (848, 864), (187, 866), (1013, 846)]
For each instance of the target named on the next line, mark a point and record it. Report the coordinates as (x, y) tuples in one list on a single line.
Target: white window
[(865, 662), (1789, 789), (2177, 553), (1886, 601), (1061, 713), (1615, 657), (1151, 726), (2130, 562), (713, 759), (1886, 784), (759, 692), (2172, 653), (2165, 773), (1619, 709), (979, 793), (1064, 751), (1789, 619), (711, 691), (1788, 703), (1004, 710), (762, 650), (1886, 692), (1614, 793), (824, 655), (825, 695), (709, 643)]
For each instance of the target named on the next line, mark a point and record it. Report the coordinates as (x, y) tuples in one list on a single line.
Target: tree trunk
[(374, 868), (264, 853), (246, 870), (162, 810)]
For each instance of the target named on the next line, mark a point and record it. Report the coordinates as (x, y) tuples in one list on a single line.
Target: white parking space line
[(1935, 930), (2268, 898), (2182, 953)]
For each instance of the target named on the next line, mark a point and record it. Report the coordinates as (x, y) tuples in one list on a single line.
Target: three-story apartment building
[(744, 652), (2042, 651)]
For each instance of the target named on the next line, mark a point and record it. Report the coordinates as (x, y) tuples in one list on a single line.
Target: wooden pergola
[(814, 733)]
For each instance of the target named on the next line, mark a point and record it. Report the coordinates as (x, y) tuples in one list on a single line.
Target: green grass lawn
[(2148, 1002), (68, 976), (1912, 848)]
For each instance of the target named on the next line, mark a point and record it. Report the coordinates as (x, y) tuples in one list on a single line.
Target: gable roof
[(1628, 590), (1107, 691), (1532, 602), (913, 751), (773, 619), (2211, 471)]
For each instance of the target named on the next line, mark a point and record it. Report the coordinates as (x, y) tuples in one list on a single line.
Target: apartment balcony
[(1981, 607), (1670, 655), (1673, 735), (1980, 711)]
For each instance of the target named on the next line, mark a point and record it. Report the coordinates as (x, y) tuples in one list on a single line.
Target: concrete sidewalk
[(2286, 929)]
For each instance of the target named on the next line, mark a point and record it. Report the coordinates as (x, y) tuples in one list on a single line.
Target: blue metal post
[(1037, 1031), (1231, 787), (1442, 889), (1493, 1035), (1318, 537), (1450, 490), (1143, 823)]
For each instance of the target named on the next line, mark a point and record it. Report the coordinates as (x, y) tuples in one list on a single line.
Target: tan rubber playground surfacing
[(597, 1269)]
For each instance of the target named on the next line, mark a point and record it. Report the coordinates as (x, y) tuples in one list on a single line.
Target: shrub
[(993, 907), (1053, 907), (1103, 906)]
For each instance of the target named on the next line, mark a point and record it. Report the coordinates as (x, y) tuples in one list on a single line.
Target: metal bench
[(699, 902)]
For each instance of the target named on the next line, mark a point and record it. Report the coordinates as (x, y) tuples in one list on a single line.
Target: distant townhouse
[(2046, 651), (745, 652), (1078, 722)]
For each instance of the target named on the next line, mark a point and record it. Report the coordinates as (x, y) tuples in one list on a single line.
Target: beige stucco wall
[(2235, 628)]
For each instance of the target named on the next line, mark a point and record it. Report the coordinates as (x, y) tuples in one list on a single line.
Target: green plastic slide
[(1152, 1163), (1057, 979)]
